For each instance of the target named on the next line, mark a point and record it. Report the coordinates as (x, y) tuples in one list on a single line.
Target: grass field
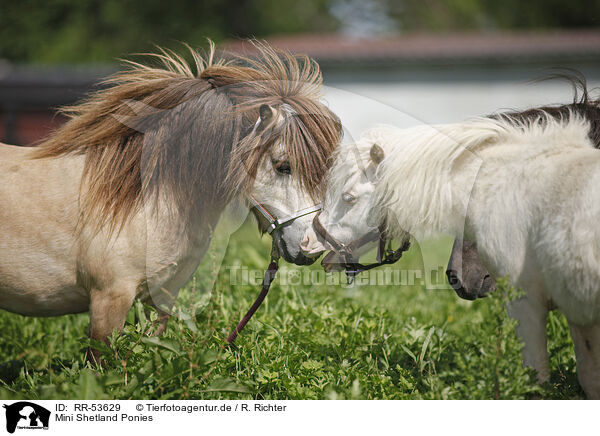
[(321, 341)]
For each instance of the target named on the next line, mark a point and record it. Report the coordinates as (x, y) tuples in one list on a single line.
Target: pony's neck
[(425, 181)]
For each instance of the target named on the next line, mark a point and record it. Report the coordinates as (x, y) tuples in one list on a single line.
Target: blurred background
[(394, 61)]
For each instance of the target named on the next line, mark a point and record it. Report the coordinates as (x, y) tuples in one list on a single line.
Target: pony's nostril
[(453, 279), (310, 246), (305, 243)]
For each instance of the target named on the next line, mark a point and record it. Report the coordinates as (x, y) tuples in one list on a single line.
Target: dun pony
[(121, 201)]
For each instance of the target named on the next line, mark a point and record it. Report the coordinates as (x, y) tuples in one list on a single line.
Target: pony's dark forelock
[(186, 130)]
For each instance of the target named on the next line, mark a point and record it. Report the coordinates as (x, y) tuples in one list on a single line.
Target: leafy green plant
[(305, 342)]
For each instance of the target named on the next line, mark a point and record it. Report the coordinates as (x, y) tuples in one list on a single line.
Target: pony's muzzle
[(480, 287), (455, 281), (310, 245)]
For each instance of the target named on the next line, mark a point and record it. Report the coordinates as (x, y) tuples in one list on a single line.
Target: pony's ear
[(376, 154), (266, 114)]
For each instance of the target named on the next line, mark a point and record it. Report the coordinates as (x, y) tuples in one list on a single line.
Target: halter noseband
[(277, 223), (385, 256)]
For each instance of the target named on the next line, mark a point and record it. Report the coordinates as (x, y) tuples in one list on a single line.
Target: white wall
[(362, 105)]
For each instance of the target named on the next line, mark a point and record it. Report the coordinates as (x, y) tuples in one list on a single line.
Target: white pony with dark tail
[(525, 187)]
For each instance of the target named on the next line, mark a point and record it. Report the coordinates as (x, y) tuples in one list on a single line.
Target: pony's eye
[(348, 198), (282, 167)]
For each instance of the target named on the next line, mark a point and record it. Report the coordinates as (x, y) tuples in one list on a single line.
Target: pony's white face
[(281, 194), (347, 208), (280, 191)]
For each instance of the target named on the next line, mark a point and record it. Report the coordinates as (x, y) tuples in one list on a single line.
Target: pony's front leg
[(587, 351), (531, 330), (108, 311)]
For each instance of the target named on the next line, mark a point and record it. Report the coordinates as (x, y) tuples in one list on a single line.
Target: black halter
[(385, 256)]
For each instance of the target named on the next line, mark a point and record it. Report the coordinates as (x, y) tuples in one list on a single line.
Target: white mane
[(420, 182)]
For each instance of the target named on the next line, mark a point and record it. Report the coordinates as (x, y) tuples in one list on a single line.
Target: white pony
[(525, 187), (121, 201)]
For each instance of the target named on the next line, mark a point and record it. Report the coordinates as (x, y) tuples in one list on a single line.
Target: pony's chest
[(171, 268)]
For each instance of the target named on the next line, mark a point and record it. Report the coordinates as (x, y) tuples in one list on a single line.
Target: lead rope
[(267, 280)]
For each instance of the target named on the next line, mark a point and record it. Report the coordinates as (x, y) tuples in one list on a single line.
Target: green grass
[(305, 342)]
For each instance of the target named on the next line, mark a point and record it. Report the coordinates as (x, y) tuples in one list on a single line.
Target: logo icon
[(26, 415)]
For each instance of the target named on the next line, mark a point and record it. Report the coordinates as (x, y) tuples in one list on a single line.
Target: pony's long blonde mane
[(416, 181), (185, 129)]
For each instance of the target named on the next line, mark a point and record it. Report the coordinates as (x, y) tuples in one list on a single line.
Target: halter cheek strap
[(277, 223)]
